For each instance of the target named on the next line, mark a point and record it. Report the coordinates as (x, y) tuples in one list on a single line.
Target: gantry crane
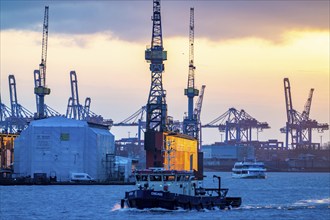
[(136, 119), (5, 114), (190, 122), (237, 126), (299, 126), (20, 116), (40, 88), (76, 111)]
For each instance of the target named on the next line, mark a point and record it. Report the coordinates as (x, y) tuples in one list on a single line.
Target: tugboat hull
[(143, 199)]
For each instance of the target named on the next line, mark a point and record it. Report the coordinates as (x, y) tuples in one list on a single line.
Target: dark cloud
[(130, 20)]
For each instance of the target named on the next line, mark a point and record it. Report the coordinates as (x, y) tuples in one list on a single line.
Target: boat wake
[(117, 208), (309, 202), (301, 204)]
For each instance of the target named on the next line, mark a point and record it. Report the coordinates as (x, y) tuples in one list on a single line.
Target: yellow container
[(180, 152)]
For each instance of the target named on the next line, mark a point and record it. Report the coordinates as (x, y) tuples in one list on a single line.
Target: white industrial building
[(59, 146)]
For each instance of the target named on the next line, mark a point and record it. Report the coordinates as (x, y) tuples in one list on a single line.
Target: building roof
[(58, 122)]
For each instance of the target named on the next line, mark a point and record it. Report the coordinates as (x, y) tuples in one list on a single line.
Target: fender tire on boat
[(189, 205), (201, 205), (212, 205), (122, 203)]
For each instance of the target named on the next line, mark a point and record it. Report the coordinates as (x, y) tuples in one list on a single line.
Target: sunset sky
[(243, 50)]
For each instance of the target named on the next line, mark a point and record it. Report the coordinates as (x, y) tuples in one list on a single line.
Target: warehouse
[(57, 147)]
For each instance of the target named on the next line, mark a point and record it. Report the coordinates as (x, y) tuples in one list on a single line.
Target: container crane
[(5, 115), (299, 126), (136, 119), (76, 111), (20, 116), (237, 126), (74, 108), (40, 89), (190, 123), (92, 117)]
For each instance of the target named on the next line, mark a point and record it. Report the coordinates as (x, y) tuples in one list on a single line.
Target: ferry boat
[(173, 189), (249, 170)]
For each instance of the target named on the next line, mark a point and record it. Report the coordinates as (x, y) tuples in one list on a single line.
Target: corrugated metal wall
[(59, 146)]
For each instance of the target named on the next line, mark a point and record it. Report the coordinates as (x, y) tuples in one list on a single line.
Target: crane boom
[(40, 78), (42, 66), (190, 124), (191, 75), (288, 100), (199, 103), (307, 107), (13, 96)]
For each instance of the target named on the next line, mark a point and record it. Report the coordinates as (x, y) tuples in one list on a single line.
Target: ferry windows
[(155, 178), (169, 178)]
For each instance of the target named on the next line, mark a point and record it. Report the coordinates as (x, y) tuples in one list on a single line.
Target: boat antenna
[(219, 186)]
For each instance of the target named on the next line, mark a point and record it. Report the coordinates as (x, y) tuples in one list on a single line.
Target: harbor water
[(279, 196)]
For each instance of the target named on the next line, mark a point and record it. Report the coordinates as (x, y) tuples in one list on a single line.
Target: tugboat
[(173, 189)]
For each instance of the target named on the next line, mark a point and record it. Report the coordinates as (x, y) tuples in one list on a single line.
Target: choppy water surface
[(280, 196)]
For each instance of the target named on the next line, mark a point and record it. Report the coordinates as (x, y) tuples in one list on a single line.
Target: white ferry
[(249, 170)]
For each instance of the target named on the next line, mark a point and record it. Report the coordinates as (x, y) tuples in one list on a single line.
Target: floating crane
[(40, 75), (155, 55), (299, 126), (156, 108), (237, 126), (190, 123)]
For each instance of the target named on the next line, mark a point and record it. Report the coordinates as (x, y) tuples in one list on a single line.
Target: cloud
[(130, 20)]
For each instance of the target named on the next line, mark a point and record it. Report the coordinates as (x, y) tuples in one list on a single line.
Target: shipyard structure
[(165, 147), (49, 146)]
